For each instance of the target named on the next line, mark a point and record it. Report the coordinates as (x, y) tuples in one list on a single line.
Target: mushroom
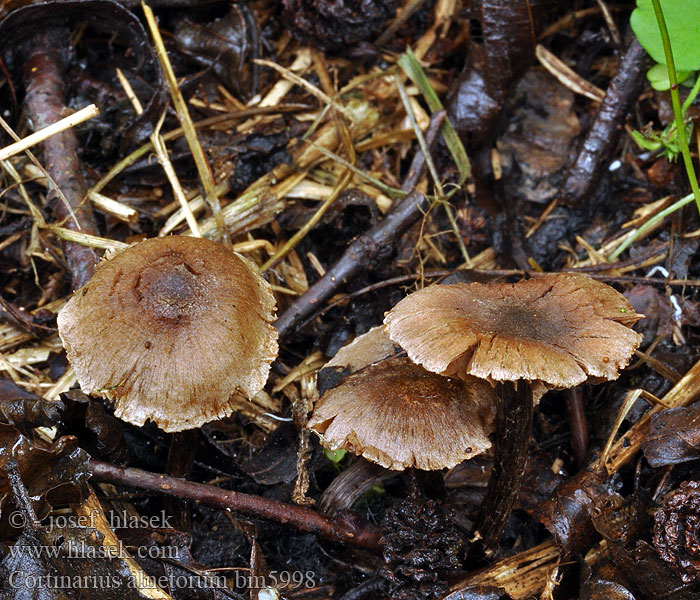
[(170, 329), (365, 349), (553, 331), (398, 415)]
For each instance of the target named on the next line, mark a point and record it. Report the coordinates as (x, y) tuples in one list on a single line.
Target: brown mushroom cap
[(169, 329), (558, 329), (399, 415)]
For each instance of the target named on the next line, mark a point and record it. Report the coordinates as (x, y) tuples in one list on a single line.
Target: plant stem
[(676, 102), (513, 430), (650, 224), (691, 96)]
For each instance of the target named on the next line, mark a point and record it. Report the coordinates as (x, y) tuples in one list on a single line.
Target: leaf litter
[(306, 146)]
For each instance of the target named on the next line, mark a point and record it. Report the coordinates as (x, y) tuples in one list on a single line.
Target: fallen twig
[(45, 105), (363, 250), (348, 529), (602, 136)]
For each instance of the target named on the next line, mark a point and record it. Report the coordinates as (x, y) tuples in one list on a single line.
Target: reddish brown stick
[(45, 104), (364, 250), (349, 530), (623, 90)]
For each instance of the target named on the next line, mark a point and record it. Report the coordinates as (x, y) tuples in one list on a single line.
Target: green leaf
[(410, 65), (335, 456), (645, 143), (658, 77), (683, 23)]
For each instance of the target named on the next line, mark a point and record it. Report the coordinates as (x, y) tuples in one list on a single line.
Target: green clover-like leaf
[(683, 23)]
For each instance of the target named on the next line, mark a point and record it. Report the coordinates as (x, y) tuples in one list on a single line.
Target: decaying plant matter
[(322, 161)]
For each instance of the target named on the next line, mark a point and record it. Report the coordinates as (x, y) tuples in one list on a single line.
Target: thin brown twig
[(363, 250), (347, 529)]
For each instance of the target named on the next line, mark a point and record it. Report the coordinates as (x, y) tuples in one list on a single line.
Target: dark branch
[(45, 104), (602, 136), (349, 528), (363, 250)]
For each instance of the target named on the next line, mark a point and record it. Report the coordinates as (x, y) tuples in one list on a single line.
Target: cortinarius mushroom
[(397, 414), (365, 349), (553, 331), (169, 329)]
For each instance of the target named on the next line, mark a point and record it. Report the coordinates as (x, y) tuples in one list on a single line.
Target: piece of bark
[(567, 512)]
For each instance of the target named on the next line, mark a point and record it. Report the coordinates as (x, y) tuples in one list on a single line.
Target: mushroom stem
[(183, 446), (513, 429), (426, 484), (578, 424)]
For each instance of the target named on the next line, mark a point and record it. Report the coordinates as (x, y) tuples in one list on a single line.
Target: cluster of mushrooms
[(475, 352), (171, 328)]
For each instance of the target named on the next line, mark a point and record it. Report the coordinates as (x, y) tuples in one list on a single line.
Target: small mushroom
[(397, 414), (169, 329), (365, 349), (553, 331)]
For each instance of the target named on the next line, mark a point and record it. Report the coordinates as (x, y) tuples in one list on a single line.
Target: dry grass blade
[(39, 136), (295, 79), (258, 204), (39, 166), (61, 385), (114, 208), (205, 173), (193, 206), (85, 239), (9, 168), (406, 13), (299, 235), (410, 65), (630, 398), (162, 153), (682, 394), (394, 192), (91, 509), (637, 234), (280, 89), (131, 158), (610, 22), (107, 205), (523, 575), (567, 76), (433, 171)]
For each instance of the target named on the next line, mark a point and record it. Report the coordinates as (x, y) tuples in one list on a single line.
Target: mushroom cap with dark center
[(558, 329), (399, 415), (169, 329)]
